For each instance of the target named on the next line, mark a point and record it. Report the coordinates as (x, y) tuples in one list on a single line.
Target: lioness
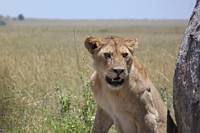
[(123, 92)]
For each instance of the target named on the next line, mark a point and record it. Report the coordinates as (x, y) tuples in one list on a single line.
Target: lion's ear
[(132, 44), (92, 44)]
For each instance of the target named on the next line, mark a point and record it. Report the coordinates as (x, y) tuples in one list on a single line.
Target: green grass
[(45, 69)]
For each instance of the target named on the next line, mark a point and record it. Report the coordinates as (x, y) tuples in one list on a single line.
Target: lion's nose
[(118, 70)]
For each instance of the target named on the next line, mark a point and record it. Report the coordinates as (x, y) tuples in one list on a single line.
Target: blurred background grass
[(44, 69)]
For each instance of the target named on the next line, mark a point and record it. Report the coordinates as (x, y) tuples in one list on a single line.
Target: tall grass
[(44, 69)]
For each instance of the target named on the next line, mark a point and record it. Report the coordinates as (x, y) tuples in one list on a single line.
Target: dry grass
[(43, 60)]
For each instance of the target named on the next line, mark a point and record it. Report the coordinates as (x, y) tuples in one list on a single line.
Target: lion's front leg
[(102, 122), (152, 117)]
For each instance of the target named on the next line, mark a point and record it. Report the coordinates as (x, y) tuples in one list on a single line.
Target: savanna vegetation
[(44, 69)]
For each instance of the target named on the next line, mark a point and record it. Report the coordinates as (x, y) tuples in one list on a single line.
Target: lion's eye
[(124, 55), (107, 55)]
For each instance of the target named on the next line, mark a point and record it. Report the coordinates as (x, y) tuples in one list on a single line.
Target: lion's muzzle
[(117, 77), (114, 82)]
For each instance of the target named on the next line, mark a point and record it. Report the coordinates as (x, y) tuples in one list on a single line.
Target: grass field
[(44, 69)]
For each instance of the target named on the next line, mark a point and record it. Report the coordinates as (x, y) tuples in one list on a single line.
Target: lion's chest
[(121, 107)]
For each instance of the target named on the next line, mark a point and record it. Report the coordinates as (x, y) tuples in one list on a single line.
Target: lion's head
[(112, 58)]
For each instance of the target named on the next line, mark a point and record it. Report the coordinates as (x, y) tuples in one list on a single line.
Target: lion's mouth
[(117, 81)]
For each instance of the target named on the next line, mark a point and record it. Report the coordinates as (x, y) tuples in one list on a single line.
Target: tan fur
[(136, 105)]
